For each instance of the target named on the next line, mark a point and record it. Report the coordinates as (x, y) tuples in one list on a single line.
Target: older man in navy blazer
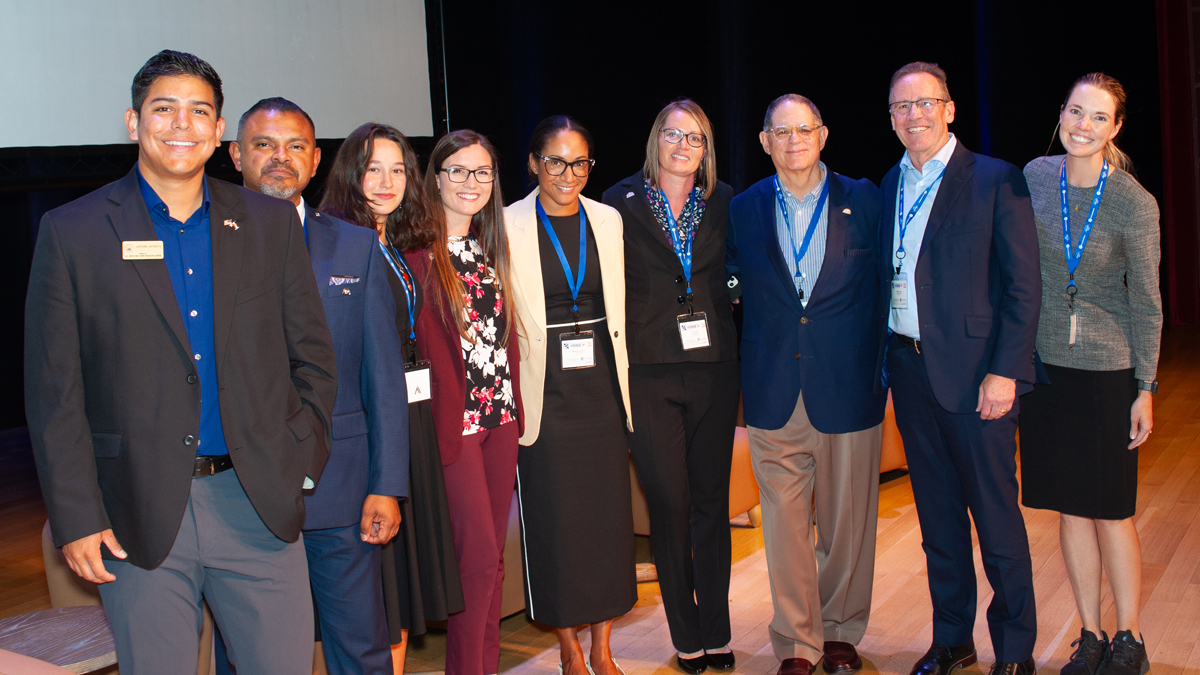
[(354, 509), (804, 244), (961, 269)]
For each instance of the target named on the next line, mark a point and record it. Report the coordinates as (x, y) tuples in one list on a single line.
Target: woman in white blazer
[(573, 469)]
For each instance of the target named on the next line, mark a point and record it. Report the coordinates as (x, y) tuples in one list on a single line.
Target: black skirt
[(1074, 438)]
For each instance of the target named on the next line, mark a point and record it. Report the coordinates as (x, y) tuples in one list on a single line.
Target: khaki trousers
[(821, 590)]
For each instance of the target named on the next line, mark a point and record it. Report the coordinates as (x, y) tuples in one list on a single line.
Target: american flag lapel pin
[(230, 222)]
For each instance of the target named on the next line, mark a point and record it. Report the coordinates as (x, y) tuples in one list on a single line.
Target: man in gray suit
[(179, 383)]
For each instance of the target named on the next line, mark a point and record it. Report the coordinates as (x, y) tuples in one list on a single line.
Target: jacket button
[(804, 319), (192, 379), (679, 279), (189, 439), (797, 356)]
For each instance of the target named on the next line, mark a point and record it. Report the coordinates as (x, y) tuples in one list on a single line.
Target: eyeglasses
[(457, 174), (673, 136), (904, 108), (783, 133), (556, 166)]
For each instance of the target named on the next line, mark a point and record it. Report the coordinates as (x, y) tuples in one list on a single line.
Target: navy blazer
[(826, 352), (370, 416), (978, 278)]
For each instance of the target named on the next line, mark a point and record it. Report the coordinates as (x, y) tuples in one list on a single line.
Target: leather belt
[(908, 342), (211, 465)]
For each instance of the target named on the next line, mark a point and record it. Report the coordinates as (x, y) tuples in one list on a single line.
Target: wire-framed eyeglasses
[(904, 108), (782, 133), (556, 166)]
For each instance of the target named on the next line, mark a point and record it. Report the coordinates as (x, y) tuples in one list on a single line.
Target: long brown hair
[(706, 174), (410, 225), (487, 226), (1114, 155)]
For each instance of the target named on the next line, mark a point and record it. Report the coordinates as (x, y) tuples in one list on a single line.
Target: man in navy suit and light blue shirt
[(804, 245), (962, 274), (354, 509)]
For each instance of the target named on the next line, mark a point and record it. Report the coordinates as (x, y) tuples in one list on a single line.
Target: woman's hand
[(1141, 419)]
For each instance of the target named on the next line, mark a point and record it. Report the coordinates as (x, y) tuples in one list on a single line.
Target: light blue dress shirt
[(907, 321), (800, 212)]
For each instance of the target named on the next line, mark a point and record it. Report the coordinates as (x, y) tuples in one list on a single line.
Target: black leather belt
[(908, 342), (211, 466)]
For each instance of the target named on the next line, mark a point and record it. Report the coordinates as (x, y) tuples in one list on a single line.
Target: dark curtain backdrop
[(614, 64)]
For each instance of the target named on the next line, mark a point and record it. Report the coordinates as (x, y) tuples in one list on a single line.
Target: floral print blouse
[(490, 401), (689, 219)]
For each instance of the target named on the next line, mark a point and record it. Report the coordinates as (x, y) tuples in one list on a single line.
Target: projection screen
[(67, 65)]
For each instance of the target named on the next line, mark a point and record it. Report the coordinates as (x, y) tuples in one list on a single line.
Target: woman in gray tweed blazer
[(1098, 336)]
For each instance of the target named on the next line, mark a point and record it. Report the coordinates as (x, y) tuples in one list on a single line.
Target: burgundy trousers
[(479, 489)]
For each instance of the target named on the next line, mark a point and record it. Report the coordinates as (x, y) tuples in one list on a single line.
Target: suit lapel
[(227, 245), (129, 217), (639, 206), (528, 271), (766, 214), (322, 242), (609, 248), (958, 174), (835, 233), (887, 226)]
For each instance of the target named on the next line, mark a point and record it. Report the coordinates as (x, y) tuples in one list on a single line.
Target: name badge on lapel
[(416, 376), (578, 350), (142, 250), (693, 330), (341, 281)]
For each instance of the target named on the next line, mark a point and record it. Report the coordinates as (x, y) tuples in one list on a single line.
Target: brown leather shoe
[(796, 667), (840, 658)]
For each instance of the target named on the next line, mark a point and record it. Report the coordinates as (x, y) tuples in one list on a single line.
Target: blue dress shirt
[(187, 251), (800, 212)]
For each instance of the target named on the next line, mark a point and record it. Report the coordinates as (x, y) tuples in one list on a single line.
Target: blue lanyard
[(577, 283), (410, 291), (812, 224), (1073, 260), (911, 214), (683, 249)]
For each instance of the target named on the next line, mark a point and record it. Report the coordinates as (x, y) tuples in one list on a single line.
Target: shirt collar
[(300, 208), (815, 193), (942, 157), (155, 203)]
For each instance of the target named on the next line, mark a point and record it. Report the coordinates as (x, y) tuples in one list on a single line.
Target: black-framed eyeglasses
[(556, 166), (458, 174), (673, 136), (782, 133), (904, 108)]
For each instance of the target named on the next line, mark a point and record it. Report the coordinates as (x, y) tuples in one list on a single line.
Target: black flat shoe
[(693, 666), (721, 661)]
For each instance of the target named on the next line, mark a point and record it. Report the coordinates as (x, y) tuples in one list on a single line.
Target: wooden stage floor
[(900, 629)]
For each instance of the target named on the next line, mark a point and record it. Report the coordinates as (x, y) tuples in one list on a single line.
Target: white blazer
[(521, 223)]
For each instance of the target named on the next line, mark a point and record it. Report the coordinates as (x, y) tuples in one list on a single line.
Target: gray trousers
[(821, 590), (256, 584)]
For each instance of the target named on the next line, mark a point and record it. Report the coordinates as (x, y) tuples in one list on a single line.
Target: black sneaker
[(1126, 656), (1004, 668), (1089, 654)]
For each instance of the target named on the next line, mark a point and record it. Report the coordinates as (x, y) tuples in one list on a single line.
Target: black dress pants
[(683, 419)]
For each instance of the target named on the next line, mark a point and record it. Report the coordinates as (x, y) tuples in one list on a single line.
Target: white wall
[(66, 65)]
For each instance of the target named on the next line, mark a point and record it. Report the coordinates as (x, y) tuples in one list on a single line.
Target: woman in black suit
[(683, 374)]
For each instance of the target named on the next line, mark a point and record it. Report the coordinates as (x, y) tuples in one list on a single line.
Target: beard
[(280, 191)]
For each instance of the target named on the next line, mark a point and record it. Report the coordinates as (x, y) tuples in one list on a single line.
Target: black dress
[(420, 571), (573, 481)]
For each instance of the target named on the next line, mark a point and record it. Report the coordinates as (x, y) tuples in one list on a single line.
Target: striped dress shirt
[(800, 212)]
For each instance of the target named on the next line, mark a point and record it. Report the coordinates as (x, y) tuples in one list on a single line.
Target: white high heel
[(588, 663)]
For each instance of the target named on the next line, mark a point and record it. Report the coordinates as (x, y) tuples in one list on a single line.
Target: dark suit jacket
[(370, 417), (654, 279), (438, 342), (110, 387), (826, 351), (978, 279)]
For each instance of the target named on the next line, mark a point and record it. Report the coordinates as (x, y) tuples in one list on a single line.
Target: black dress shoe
[(721, 661), (693, 666), (841, 658), (1006, 668), (940, 659)]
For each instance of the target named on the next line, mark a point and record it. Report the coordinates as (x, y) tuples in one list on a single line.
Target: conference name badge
[(900, 291), (416, 376), (693, 330), (578, 350), (142, 250)]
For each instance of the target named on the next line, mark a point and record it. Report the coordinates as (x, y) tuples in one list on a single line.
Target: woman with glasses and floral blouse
[(468, 334), (573, 471), (683, 375)]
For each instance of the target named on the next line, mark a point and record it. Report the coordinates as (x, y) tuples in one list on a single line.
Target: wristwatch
[(1151, 387)]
